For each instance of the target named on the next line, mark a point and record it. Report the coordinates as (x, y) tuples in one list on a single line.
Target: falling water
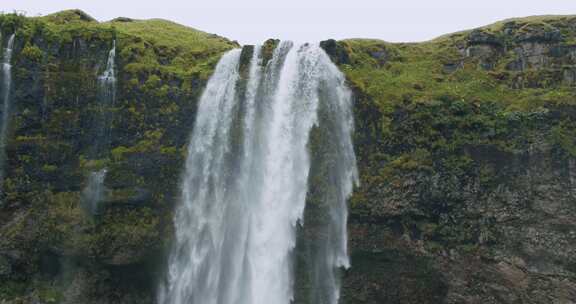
[(6, 102), (94, 192), (245, 184)]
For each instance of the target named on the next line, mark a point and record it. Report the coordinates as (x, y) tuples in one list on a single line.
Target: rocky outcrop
[(465, 201)]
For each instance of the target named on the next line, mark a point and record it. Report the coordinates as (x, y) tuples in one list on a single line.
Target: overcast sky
[(253, 21)]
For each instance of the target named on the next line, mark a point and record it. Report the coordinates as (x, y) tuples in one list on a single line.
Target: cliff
[(466, 147), (466, 151)]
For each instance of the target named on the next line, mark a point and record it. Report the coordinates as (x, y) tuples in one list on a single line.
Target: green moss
[(69, 16), (49, 168), (93, 164), (10, 289), (564, 135), (161, 68), (67, 226), (32, 53), (69, 229), (391, 73), (48, 292), (162, 46), (137, 229)]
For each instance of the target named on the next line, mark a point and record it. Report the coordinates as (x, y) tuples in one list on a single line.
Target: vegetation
[(437, 117), (161, 70), (433, 120)]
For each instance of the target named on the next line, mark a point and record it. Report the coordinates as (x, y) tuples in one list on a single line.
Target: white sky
[(253, 21)]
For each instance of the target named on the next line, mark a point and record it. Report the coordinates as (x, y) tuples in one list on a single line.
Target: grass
[(152, 46), (416, 71), (167, 34)]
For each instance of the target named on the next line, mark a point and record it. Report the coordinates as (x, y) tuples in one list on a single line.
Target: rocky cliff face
[(466, 148), (51, 249), (467, 191)]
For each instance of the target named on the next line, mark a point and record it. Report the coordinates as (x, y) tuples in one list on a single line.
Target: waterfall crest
[(245, 185), (6, 102), (94, 192)]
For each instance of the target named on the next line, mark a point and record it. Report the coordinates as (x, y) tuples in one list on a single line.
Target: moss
[(391, 73), (48, 292), (167, 47), (136, 229), (394, 275), (69, 16), (427, 119), (71, 231), (32, 53), (268, 50), (11, 289), (161, 70), (49, 168), (67, 225), (564, 135)]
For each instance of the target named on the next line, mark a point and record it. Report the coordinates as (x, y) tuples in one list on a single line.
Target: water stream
[(6, 102), (245, 185), (94, 192)]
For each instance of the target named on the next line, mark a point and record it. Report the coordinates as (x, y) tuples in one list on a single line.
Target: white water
[(246, 180), (94, 192), (6, 102), (109, 75)]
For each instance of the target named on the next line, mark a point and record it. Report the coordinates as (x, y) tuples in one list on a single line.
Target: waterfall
[(94, 192), (245, 185), (6, 102)]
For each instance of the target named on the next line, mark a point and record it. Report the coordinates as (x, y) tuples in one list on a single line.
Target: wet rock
[(380, 55), (395, 276), (336, 51), (5, 266), (129, 197), (450, 68), (569, 76)]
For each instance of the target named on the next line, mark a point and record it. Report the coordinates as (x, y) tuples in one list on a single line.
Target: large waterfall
[(93, 193), (246, 181), (6, 101)]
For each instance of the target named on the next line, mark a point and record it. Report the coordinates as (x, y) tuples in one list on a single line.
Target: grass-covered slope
[(477, 65), (177, 48)]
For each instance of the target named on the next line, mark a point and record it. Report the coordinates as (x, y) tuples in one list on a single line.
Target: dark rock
[(450, 68), (268, 50), (133, 197), (516, 65), (569, 76), (538, 33), (245, 58), (336, 51), (486, 54), (5, 266), (122, 19), (482, 37), (395, 276)]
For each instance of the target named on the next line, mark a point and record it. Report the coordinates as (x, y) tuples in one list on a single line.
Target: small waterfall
[(245, 184), (94, 192), (6, 102)]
